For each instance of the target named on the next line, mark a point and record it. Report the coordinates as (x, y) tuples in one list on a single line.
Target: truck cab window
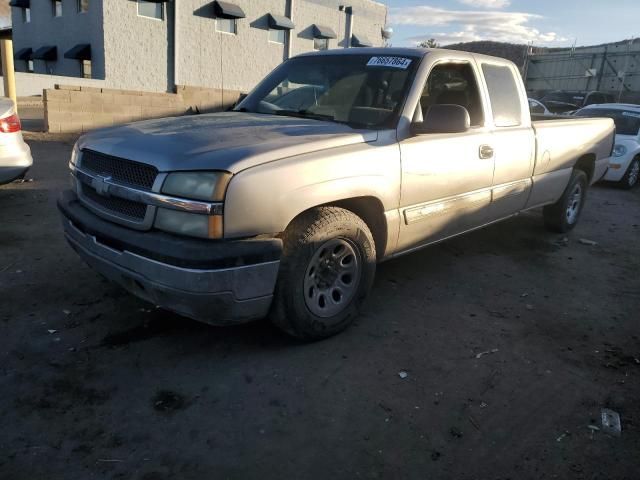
[(453, 84), (504, 95)]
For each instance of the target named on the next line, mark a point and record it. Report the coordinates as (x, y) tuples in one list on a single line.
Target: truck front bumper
[(216, 282)]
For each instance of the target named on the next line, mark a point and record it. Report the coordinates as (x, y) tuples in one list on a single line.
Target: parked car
[(537, 108), (228, 217), (624, 165), (562, 101), (15, 154)]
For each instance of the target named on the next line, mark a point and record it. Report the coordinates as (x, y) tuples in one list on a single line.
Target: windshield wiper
[(304, 114)]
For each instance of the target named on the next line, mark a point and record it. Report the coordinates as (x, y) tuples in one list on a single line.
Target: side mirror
[(444, 119)]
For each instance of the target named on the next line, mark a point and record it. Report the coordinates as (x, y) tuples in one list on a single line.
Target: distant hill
[(511, 51), (515, 52)]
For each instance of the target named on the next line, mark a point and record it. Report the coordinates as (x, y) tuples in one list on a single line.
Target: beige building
[(154, 46)]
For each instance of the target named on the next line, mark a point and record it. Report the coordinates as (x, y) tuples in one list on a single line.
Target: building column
[(6, 47)]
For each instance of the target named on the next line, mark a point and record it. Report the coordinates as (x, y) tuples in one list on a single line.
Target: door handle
[(486, 152)]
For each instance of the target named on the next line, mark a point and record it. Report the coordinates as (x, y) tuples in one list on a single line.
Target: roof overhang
[(360, 41), (20, 3), (227, 10), (23, 54), (48, 54), (81, 51), (279, 22), (320, 31)]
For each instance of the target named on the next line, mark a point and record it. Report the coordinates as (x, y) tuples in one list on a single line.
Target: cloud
[(452, 26), (486, 3)]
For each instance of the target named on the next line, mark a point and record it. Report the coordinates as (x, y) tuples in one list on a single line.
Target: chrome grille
[(119, 169), (119, 206)]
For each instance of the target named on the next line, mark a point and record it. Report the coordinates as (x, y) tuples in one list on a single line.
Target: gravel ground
[(512, 341)]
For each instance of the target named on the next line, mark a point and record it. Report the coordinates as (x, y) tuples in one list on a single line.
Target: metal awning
[(320, 31), (48, 54), (360, 41), (279, 22), (24, 54), (227, 10), (20, 3), (79, 52)]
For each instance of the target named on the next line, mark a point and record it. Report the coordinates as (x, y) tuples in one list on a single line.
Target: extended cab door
[(446, 178), (513, 140)]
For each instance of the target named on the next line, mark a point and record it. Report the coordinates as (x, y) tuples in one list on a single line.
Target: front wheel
[(632, 174), (563, 215), (327, 270)]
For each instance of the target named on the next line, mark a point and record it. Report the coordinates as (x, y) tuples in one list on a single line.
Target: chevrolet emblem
[(101, 185)]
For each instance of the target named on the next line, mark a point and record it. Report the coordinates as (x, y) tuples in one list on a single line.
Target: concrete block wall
[(28, 84), (81, 109)]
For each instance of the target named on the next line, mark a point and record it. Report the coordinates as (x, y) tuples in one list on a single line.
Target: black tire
[(305, 242), (558, 217), (630, 178)]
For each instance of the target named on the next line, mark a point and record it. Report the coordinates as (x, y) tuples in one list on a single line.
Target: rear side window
[(504, 95)]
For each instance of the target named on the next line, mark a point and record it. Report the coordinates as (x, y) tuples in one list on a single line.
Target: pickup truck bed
[(556, 157)]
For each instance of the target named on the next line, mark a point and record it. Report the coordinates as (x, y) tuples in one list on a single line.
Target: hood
[(231, 141)]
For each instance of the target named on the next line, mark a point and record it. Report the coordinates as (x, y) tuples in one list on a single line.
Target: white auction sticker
[(393, 62)]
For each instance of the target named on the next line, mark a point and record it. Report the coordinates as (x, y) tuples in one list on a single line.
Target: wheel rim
[(575, 203), (332, 277), (634, 172)]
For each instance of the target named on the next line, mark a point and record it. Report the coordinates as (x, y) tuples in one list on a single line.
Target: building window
[(86, 68), (226, 25), (30, 66), (83, 6), (321, 44), (57, 8), (26, 15), (151, 9), (277, 36)]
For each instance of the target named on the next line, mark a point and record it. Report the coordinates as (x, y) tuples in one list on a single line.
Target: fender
[(266, 198)]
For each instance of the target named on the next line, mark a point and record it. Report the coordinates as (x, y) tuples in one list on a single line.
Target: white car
[(15, 155), (624, 164), (537, 107)]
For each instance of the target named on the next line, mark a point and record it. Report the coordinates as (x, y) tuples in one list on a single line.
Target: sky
[(551, 23)]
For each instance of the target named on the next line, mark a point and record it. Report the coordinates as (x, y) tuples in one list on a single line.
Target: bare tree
[(431, 43)]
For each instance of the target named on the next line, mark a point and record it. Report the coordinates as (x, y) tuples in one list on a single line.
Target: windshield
[(365, 91), (627, 122)]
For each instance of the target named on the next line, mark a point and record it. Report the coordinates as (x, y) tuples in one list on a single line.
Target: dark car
[(566, 101)]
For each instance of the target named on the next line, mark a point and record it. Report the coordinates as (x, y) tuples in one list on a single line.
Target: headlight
[(619, 150), (75, 154), (191, 224), (207, 186)]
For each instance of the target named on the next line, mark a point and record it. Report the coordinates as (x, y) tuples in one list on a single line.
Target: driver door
[(446, 178)]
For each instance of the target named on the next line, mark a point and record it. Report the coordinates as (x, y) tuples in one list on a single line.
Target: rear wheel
[(563, 215), (632, 175), (326, 272)]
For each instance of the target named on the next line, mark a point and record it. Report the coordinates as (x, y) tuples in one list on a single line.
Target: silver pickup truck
[(334, 162)]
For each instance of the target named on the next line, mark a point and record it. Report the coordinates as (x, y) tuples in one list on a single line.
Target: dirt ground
[(95, 384)]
